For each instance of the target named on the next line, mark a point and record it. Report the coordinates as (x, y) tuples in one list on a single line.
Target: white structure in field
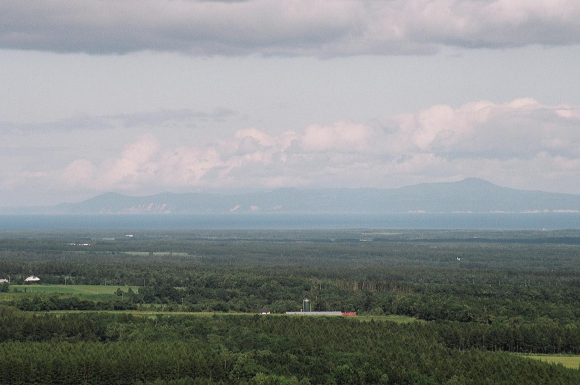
[(4, 280), (32, 278), (332, 313)]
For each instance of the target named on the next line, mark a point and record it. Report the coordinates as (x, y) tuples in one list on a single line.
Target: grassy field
[(102, 292), (153, 313), (156, 253), (72, 289), (401, 319), (572, 362)]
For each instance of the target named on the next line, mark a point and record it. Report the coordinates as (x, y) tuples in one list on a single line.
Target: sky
[(147, 96)]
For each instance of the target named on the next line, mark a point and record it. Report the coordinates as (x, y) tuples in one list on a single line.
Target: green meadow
[(572, 362), (157, 253), (72, 289), (84, 292), (400, 319)]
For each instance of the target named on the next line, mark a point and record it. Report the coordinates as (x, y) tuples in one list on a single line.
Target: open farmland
[(72, 289), (156, 253), (572, 362)]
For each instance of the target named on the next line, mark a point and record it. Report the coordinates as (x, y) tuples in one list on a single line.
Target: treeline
[(249, 292), (475, 250), (125, 349), (55, 302), (425, 293), (540, 337)]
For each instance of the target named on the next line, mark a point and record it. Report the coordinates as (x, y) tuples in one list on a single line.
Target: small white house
[(4, 280), (32, 278)]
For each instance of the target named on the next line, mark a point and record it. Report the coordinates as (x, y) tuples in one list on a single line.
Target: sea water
[(536, 221)]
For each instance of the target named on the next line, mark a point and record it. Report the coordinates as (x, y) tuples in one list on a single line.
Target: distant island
[(470, 195)]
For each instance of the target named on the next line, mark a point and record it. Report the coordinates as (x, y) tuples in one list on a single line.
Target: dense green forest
[(481, 294), (124, 349)]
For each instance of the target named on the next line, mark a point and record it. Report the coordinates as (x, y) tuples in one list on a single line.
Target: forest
[(182, 306)]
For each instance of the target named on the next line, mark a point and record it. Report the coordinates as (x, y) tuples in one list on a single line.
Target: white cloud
[(292, 27), (79, 173), (522, 143), (340, 137), (134, 165)]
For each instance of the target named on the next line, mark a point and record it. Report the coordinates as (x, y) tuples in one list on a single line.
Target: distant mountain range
[(469, 195)]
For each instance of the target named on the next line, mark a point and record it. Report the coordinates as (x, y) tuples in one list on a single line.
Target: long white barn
[(314, 312)]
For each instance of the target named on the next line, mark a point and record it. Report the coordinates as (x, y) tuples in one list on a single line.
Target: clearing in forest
[(572, 362), (73, 289)]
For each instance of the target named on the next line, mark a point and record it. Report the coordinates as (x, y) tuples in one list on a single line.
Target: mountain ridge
[(468, 195)]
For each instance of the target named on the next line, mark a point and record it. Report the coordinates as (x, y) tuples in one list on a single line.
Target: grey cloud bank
[(321, 28)]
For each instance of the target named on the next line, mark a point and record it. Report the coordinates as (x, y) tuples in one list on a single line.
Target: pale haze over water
[(541, 221)]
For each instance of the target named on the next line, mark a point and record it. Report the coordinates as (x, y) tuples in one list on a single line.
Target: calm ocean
[(547, 221)]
